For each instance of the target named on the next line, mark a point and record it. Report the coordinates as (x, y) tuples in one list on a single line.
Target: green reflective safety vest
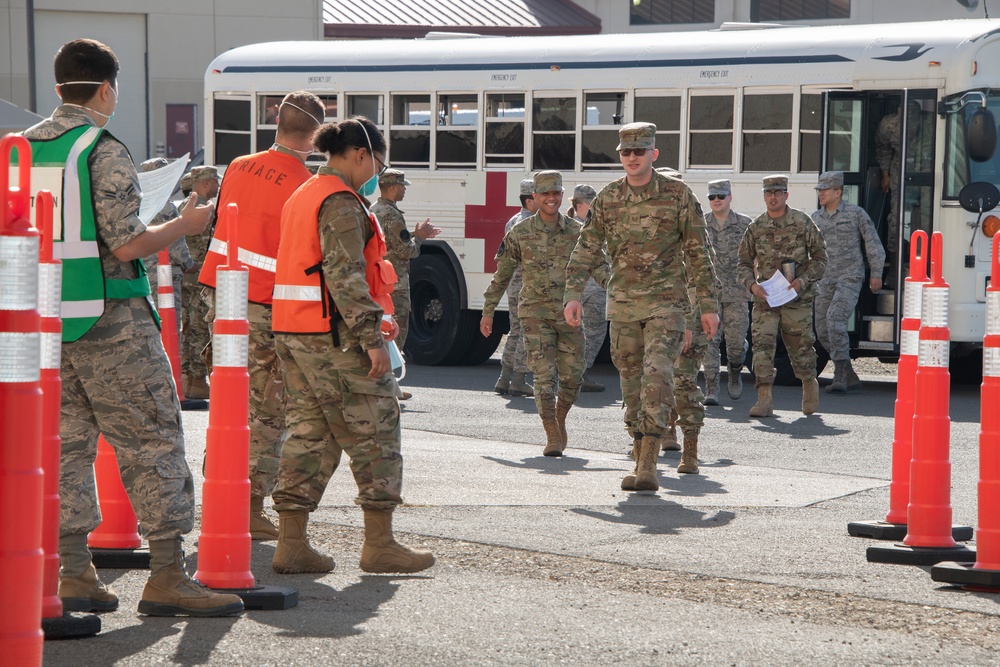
[(84, 287)]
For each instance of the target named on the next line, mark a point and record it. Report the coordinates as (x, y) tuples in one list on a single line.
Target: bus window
[(604, 113), (711, 122), (369, 106), (458, 122), (554, 132), (330, 106), (410, 135), (665, 113), (810, 126), (843, 149), (767, 133), (504, 130), (231, 118)]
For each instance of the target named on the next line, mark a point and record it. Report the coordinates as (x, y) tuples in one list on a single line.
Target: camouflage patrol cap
[(153, 164), (637, 135), (775, 182), (527, 187), (584, 193), (720, 187), (548, 181), (203, 173), (393, 177), (830, 179), (671, 172)]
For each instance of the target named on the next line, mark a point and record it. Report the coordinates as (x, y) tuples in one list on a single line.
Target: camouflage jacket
[(514, 288), (198, 246), (400, 246), (653, 238), (541, 250), (726, 237), (180, 258), (844, 231), (768, 242)]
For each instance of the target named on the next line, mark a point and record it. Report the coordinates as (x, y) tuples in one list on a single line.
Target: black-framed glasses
[(714, 197), (625, 152), (384, 165), (774, 193)]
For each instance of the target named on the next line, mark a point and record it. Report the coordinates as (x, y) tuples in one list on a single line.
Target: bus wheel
[(481, 348), (440, 331)]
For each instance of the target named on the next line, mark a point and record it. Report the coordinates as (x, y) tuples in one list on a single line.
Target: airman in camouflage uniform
[(725, 231), (116, 379), (782, 235), (655, 234), (595, 297), (920, 151), (541, 245), (514, 359), (204, 181), (845, 228)]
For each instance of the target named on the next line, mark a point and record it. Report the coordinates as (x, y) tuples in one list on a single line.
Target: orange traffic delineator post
[(166, 306), (224, 542), (56, 623), (894, 525), (929, 529), (116, 542), (21, 476), (984, 575)]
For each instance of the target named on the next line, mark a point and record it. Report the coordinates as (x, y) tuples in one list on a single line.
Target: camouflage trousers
[(267, 401), (515, 355), (401, 304), (555, 357), (595, 319), (835, 303), (332, 404), (195, 330), (177, 275), (644, 353), (123, 390), (795, 321), (689, 401), (734, 320)]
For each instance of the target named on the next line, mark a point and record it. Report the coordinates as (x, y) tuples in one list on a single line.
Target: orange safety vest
[(260, 184), (302, 302)]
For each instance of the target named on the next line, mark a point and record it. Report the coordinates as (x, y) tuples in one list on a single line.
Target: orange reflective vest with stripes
[(302, 302), (259, 184)]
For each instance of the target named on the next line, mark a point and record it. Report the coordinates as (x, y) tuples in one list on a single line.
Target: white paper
[(778, 290), (158, 185)]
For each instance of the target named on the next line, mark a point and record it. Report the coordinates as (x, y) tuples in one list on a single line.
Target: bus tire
[(481, 348), (440, 331)]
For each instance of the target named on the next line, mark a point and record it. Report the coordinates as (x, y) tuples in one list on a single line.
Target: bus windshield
[(959, 169)]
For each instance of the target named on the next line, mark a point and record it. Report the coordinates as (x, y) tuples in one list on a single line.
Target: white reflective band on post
[(909, 342), (49, 290), (19, 357), (992, 313), (229, 350), (991, 362), (933, 353), (296, 293), (912, 298), (232, 288), (165, 275), (51, 351), (165, 299), (248, 257), (18, 272), (92, 308), (934, 308)]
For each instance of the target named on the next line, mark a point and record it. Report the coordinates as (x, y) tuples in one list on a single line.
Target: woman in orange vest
[(332, 289)]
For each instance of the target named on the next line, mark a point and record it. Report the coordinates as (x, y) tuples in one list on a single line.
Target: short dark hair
[(84, 60), (524, 200), (302, 121), (335, 138)]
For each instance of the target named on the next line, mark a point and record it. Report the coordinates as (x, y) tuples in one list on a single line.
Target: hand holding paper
[(779, 290)]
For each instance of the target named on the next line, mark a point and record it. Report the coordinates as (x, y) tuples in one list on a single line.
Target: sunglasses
[(625, 152), (714, 197)]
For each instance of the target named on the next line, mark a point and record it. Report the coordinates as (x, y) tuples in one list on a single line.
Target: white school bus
[(468, 118)]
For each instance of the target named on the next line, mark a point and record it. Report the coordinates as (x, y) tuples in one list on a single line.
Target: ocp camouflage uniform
[(514, 353), (180, 261), (920, 150), (195, 328), (401, 247), (689, 400), (116, 379), (734, 299)]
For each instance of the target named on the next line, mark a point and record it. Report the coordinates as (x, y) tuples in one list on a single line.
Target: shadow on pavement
[(801, 427), (550, 465), (656, 516)]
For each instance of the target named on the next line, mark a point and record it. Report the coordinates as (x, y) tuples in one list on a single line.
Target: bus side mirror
[(981, 136)]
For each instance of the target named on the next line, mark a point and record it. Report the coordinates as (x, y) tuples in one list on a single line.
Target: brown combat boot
[(628, 482), (669, 442), (562, 409), (763, 406), (293, 554), (645, 477), (171, 592), (553, 437), (810, 396), (382, 554), (261, 527), (197, 387), (689, 458), (86, 592)]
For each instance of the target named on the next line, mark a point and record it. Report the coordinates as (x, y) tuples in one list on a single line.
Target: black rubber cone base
[(71, 625), (121, 559), (881, 530), (968, 576), (900, 554), (265, 598), (194, 404)]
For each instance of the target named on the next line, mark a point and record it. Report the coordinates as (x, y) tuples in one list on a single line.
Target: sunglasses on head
[(625, 152), (714, 197)]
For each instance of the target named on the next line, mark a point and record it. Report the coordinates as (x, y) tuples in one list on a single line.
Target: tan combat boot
[(628, 482), (261, 527), (171, 592), (553, 437), (562, 409), (293, 554), (197, 388), (852, 379), (502, 386), (645, 477), (735, 381), (810, 396), (381, 553), (763, 406), (669, 441), (712, 389), (689, 458), (519, 386), (86, 592), (839, 384)]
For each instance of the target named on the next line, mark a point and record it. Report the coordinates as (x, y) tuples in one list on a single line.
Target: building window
[(665, 114), (603, 114), (794, 10), (553, 122), (661, 12), (504, 130), (767, 132), (410, 135), (458, 120), (710, 118)]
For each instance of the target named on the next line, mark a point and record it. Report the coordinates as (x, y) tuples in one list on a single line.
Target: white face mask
[(94, 111)]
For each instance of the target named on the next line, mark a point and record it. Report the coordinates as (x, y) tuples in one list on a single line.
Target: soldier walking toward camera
[(782, 239), (847, 230), (655, 234), (540, 246), (595, 297)]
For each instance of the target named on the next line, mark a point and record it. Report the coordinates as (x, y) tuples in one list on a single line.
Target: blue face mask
[(368, 189)]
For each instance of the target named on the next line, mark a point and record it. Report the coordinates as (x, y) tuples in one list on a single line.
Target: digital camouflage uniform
[(920, 151), (196, 335), (401, 247), (734, 299), (514, 354), (331, 401), (116, 379), (595, 319)]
